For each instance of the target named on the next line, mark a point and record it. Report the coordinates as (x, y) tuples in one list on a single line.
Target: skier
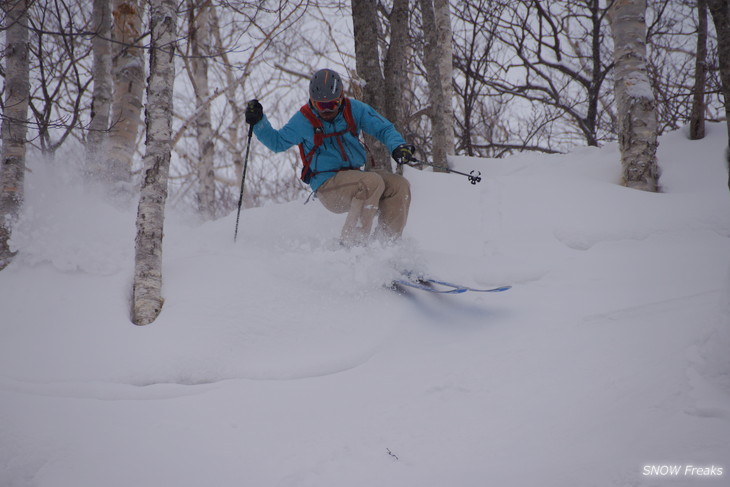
[(327, 131)]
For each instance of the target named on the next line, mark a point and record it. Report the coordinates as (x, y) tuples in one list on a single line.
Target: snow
[(281, 361)]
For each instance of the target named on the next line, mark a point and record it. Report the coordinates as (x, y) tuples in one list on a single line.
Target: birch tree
[(636, 105), (102, 96), (438, 60), (128, 80), (14, 122), (147, 289)]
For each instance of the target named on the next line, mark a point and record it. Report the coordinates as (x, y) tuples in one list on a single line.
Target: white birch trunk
[(439, 68), (14, 123), (128, 77), (102, 95), (147, 298), (200, 43), (636, 105)]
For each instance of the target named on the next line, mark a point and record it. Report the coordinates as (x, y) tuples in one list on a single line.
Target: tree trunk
[(367, 63), (147, 289), (395, 74), (200, 48), (720, 10), (102, 95), (395, 69), (14, 123), (128, 76), (636, 104), (697, 117), (439, 67)]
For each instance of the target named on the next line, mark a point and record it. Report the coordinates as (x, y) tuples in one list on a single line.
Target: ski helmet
[(325, 85)]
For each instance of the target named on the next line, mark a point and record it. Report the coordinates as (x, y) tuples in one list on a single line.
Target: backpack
[(320, 136)]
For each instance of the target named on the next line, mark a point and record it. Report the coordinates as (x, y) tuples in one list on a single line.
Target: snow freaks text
[(681, 471)]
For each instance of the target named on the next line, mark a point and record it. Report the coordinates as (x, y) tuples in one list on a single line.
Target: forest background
[(527, 76)]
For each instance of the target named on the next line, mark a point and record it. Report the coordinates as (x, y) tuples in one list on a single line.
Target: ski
[(498, 289), (424, 286), (430, 284)]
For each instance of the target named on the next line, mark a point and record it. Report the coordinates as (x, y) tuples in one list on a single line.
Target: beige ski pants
[(363, 195)]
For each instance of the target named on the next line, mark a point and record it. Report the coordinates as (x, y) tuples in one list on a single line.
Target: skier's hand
[(403, 154), (254, 112)]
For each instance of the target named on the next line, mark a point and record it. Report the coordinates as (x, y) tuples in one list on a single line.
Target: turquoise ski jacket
[(329, 157)]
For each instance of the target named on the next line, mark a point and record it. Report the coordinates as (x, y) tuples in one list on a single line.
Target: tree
[(676, 38), (59, 76), (128, 78), (243, 39), (102, 97), (200, 49), (697, 116), (14, 123), (438, 61), (636, 105), (720, 10), (381, 59), (366, 30), (558, 62), (473, 43), (147, 289), (395, 71)]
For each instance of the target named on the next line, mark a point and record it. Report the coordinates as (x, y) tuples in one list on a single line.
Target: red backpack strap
[(319, 135), (352, 128), (316, 123), (318, 140)]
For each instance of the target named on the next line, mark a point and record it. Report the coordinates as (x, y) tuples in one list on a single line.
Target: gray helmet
[(325, 85)]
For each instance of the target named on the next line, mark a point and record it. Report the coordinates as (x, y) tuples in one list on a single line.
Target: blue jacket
[(329, 156)]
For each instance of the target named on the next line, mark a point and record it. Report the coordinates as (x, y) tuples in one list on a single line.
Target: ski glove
[(403, 154), (254, 112)]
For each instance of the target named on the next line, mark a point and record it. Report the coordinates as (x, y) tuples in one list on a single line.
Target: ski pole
[(473, 178), (243, 179)]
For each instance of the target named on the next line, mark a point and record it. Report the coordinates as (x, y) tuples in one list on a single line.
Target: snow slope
[(282, 361)]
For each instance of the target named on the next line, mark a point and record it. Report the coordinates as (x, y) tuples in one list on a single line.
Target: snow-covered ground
[(282, 361)]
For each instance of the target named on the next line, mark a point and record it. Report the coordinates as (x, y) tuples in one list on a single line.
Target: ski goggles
[(328, 106)]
